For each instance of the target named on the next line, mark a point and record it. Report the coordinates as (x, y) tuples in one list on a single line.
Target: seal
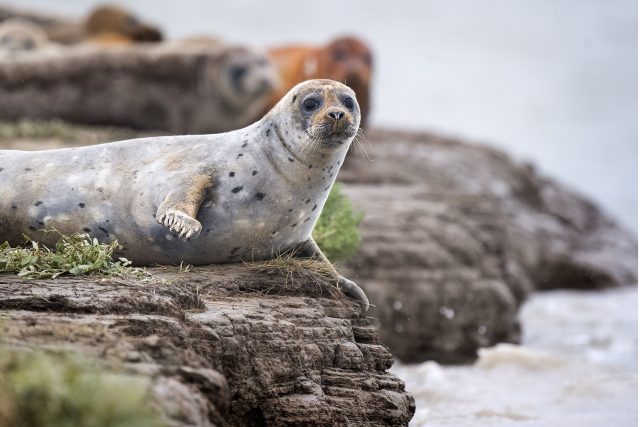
[(345, 59), (249, 194), (110, 24), (19, 36)]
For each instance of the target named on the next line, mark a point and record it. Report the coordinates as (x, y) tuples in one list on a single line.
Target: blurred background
[(554, 82)]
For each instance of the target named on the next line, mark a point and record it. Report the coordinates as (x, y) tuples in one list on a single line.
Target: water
[(553, 81), (577, 366)]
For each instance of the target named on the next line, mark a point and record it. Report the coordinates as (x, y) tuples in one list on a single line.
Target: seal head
[(19, 36), (324, 113), (245, 75)]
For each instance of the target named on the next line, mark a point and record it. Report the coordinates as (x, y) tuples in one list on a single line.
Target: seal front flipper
[(310, 249), (179, 209), (180, 223)]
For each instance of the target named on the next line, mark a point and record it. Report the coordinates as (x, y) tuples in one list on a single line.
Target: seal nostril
[(337, 115)]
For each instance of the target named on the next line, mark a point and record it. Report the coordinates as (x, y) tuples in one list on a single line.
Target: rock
[(222, 345), (180, 88), (456, 235)]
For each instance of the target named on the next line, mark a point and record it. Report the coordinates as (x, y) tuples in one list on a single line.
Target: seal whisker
[(310, 141), (360, 141), (315, 134)]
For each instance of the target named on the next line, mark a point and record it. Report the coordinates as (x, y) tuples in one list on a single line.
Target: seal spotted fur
[(248, 194)]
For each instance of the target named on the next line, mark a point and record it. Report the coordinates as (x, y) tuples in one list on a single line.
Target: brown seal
[(110, 24), (346, 59)]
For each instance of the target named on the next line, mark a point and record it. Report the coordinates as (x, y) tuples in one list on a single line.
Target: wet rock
[(456, 235)]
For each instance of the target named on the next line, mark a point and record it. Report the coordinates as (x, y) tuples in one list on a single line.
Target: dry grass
[(298, 273)]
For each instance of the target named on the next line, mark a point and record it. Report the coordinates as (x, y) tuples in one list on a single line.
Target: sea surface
[(550, 81), (576, 367)]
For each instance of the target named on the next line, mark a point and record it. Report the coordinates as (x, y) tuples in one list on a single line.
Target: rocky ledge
[(220, 345)]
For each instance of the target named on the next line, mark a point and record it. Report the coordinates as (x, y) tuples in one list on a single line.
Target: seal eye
[(28, 44), (310, 104), (237, 72), (348, 102)]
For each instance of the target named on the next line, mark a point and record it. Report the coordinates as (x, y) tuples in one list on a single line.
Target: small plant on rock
[(76, 255)]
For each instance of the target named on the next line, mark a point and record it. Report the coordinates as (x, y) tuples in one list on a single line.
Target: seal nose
[(336, 115)]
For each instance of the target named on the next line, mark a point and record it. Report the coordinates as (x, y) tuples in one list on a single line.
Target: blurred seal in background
[(113, 24), (19, 36), (345, 59), (105, 24)]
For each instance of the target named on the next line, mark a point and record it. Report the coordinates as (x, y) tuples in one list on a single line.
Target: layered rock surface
[(456, 235), (224, 345)]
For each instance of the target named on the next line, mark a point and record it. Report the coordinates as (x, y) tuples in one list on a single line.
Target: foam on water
[(577, 366)]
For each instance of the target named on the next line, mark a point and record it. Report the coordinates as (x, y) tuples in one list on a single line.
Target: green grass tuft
[(65, 390), (336, 231), (76, 255)]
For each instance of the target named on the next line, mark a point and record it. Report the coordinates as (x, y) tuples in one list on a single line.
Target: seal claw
[(181, 224), (353, 291)]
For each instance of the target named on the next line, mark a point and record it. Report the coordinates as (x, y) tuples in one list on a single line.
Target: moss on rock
[(39, 389)]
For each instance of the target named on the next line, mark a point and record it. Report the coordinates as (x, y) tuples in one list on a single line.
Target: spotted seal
[(248, 194)]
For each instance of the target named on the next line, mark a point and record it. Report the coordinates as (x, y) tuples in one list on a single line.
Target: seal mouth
[(330, 136)]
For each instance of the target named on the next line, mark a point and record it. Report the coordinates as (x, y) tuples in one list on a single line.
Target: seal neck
[(292, 155)]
